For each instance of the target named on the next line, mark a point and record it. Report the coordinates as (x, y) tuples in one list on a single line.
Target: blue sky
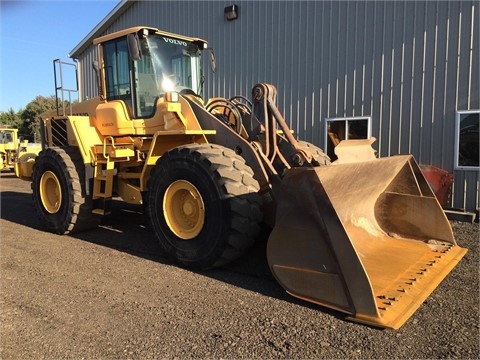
[(35, 32)]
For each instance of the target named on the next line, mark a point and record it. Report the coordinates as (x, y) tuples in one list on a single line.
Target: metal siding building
[(409, 65)]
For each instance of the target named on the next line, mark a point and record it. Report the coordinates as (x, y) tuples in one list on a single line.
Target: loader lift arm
[(261, 136)]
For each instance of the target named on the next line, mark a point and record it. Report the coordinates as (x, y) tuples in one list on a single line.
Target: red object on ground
[(440, 181)]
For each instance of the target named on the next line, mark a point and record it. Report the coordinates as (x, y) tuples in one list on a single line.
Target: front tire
[(319, 157), (203, 205), (61, 204)]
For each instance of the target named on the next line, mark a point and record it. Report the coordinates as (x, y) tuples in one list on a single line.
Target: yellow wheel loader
[(363, 235)]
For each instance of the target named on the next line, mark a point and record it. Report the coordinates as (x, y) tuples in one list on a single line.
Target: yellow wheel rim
[(50, 192), (183, 209)]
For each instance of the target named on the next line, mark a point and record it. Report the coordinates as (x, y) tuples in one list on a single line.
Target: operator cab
[(6, 136), (141, 64)]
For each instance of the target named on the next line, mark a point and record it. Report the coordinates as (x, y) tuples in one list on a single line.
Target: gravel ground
[(106, 294)]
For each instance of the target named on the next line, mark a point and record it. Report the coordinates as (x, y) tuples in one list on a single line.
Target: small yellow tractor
[(14, 150), (363, 235)]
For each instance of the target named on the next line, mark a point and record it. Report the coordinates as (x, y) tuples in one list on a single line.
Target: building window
[(466, 140), (347, 128)]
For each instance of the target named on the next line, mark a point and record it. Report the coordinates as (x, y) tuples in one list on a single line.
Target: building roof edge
[(101, 27)]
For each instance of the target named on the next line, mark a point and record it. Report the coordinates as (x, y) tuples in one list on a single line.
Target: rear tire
[(57, 181), (203, 205)]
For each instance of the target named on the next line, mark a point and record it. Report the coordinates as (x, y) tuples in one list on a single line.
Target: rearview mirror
[(213, 63), (95, 66), (134, 47)]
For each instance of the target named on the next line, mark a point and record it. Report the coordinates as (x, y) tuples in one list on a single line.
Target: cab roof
[(151, 30)]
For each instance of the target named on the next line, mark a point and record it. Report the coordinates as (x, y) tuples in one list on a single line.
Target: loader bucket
[(366, 238)]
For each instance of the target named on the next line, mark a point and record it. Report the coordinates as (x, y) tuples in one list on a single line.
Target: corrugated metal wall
[(409, 65)]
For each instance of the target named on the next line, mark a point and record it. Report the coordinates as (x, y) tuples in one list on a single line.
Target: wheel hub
[(50, 192), (183, 209)]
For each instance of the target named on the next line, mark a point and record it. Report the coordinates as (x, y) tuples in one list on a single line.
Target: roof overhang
[(102, 26)]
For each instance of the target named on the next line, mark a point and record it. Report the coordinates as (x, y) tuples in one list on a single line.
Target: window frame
[(458, 118)]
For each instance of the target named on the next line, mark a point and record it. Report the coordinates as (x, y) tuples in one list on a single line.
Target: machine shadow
[(126, 230), (18, 208), (10, 175)]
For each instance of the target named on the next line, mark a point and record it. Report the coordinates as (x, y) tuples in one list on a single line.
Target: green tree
[(10, 119), (30, 125), (27, 120)]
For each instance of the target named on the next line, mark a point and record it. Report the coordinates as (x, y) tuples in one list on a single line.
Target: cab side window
[(117, 71)]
